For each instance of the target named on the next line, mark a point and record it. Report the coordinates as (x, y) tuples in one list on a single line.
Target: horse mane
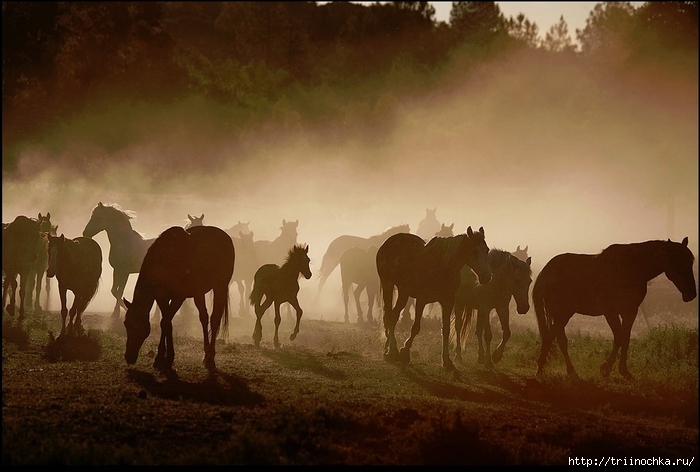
[(295, 249), (115, 208), (444, 249), (498, 258)]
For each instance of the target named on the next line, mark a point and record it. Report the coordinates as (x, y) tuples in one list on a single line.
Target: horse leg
[(405, 352), (299, 311), (616, 328), (480, 323), (278, 320), (31, 286), (446, 307), (346, 297), (487, 334), (627, 322), (546, 343), (166, 333), (39, 280), (504, 318), (22, 293), (260, 310), (371, 296), (391, 317), (201, 305), (241, 297), (13, 291), (563, 343), (458, 311), (118, 285), (64, 307), (357, 293), (80, 303)]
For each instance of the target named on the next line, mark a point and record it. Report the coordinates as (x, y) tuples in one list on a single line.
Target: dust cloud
[(557, 157)]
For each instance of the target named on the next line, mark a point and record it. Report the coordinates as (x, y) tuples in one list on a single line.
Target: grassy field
[(329, 398)]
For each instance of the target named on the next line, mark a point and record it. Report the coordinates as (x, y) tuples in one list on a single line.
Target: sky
[(544, 14)]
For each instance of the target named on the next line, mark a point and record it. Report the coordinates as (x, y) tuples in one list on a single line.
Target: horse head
[(45, 223), (137, 330), (519, 283), (54, 246), (102, 218), (289, 229), (680, 268), (477, 254), (195, 221), (299, 259)]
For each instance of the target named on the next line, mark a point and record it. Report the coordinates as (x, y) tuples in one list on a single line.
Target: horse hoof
[(605, 370), (497, 356), (449, 366), (405, 355), (292, 336)]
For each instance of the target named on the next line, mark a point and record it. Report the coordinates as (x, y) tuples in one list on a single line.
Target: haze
[(558, 159)]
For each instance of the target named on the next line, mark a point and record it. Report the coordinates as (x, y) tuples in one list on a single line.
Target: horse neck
[(649, 258), (290, 270), (119, 232)]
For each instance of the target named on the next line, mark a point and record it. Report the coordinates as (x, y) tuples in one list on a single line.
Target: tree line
[(296, 63)]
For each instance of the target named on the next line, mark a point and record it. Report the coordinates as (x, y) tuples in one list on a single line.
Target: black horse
[(612, 284), (77, 265), (181, 264), (429, 273), (20, 240)]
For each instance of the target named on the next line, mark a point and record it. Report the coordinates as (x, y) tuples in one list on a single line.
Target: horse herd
[(458, 272)]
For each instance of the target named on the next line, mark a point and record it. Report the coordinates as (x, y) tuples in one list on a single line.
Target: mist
[(559, 158)]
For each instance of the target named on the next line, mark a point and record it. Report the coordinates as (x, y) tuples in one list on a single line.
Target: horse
[(77, 265), (279, 284), (238, 228), (275, 251), (181, 264), (521, 253), (429, 225), (342, 243), (612, 284), (194, 221), (20, 240), (429, 273), (246, 265), (510, 278), (445, 231), (358, 267), (127, 246), (38, 268)]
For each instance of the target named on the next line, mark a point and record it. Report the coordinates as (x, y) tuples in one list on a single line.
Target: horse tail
[(543, 319), (256, 294), (224, 319), (468, 317)]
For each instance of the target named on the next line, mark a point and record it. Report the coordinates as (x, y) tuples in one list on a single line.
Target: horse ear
[(188, 216), (127, 303), (481, 230), (529, 261), (62, 238), (469, 231), (39, 215), (685, 241), (201, 217), (48, 215), (306, 249), (284, 222), (525, 248), (296, 223), (99, 204), (452, 226), (518, 248)]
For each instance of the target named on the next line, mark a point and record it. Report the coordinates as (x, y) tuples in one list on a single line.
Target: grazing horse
[(77, 265), (510, 278), (181, 264), (244, 273), (127, 246), (358, 267), (339, 245), (20, 240), (194, 221), (275, 251), (429, 273), (38, 269), (279, 285), (612, 284), (429, 225)]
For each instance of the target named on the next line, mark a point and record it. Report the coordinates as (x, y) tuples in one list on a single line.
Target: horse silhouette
[(358, 267), (612, 284), (342, 243), (77, 266), (279, 284), (38, 268), (244, 273), (20, 240), (194, 221), (181, 264), (429, 273), (428, 226), (521, 253), (127, 247), (510, 278), (275, 251)]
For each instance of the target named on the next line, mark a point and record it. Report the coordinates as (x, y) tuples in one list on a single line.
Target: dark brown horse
[(429, 273), (181, 264), (612, 284), (127, 247), (38, 269), (511, 278), (77, 266), (279, 284), (20, 240), (358, 267)]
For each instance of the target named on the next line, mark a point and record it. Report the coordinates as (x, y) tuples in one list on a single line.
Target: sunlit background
[(559, 156)]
